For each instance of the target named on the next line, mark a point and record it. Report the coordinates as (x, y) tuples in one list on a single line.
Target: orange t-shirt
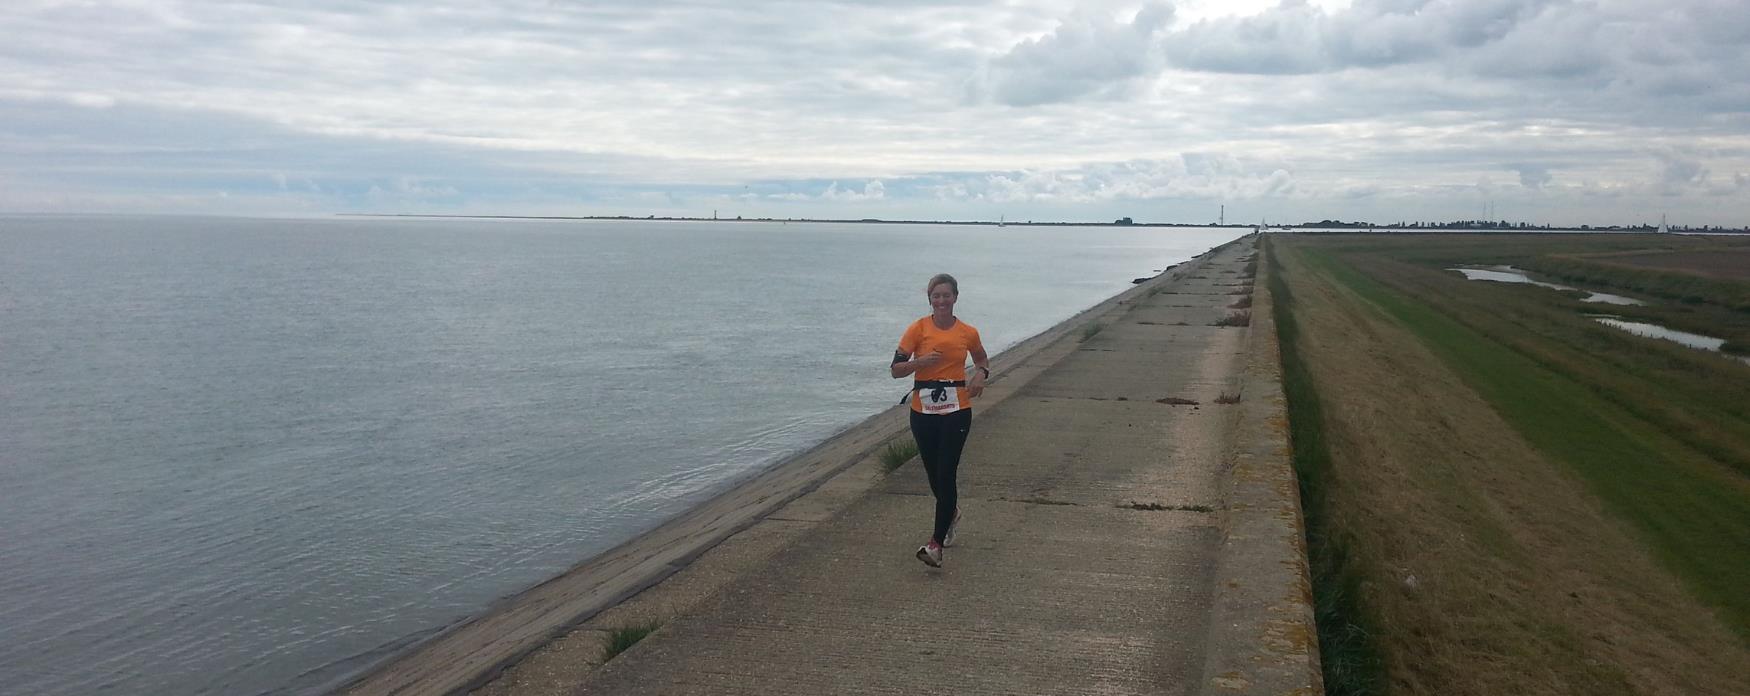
[(955, 343)]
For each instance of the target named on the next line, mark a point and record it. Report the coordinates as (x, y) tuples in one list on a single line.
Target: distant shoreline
[(857, 221), (1323, 225)]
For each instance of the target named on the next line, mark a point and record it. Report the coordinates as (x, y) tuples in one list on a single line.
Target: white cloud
[(1194, 176), (872, 191)]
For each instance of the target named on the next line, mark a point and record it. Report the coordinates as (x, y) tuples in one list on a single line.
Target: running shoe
[(931, 554), (954, 526)]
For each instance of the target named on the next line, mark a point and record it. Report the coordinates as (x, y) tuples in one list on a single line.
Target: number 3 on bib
[(938, 400)]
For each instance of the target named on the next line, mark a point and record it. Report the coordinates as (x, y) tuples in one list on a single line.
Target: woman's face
[(942, 297)]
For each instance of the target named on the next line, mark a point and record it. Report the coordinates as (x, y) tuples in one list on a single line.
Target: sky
[(1560, 112)]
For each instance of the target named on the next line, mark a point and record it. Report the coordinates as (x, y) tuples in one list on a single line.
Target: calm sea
[(252, 456)]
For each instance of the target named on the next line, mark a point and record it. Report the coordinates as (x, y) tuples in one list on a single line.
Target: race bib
[(938, 400)]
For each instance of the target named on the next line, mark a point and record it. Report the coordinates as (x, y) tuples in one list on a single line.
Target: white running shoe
[(954, 526), (931, 554)]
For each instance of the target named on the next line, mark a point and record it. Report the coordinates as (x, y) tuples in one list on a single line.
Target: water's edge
[(440, 661)]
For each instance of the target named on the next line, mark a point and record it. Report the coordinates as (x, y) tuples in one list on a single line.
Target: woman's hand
[(927, 361), (975, 383)]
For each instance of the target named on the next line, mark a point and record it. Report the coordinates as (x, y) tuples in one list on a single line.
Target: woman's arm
[(903, 367), (980, 372)]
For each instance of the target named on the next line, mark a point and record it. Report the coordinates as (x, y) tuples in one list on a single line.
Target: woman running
[(933, 351)]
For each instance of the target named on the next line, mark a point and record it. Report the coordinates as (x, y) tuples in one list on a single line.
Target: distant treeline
[(1502, 225)]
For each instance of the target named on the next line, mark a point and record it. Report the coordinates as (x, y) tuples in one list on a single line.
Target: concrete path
[(1094, 534)]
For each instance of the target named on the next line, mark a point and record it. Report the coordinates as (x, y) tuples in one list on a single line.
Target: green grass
[(898, 452), (623, 637), (1670, 285), (1693, 511), (1091, 330), (1348, 656), (1705, 305)]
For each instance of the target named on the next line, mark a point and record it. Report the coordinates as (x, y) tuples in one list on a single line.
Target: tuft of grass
[(1242, 303), (1235, 319), (898, 452), (1091, 330), (1227, 398), (623, 637)]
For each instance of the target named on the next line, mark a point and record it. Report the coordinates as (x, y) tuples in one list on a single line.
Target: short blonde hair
[(941, 278)]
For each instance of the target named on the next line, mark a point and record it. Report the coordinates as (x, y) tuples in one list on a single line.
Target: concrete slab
[(1043, 599), (1081, 452), (1134, 375)]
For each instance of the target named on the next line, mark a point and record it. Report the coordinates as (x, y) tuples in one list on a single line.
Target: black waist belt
[(938, 388)]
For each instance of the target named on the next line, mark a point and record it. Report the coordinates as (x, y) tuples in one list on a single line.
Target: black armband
[(899, 357)]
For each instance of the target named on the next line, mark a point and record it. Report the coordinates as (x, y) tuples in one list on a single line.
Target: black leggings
[(940, 439)]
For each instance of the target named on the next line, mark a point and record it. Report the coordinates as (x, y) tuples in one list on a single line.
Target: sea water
[(244, 456)]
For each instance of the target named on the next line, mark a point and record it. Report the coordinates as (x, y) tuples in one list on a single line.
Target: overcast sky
[(1563, 112)]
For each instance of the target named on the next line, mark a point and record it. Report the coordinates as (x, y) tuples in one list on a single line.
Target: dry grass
[(1228, 398), (1235, 319), (1720, 263), (1489, 568)]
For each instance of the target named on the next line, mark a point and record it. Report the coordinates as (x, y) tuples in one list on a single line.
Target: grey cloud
[(1089, 52), (1286, 40), (1533, 176), (1295, 37), (1679, 171), (1576, 56)]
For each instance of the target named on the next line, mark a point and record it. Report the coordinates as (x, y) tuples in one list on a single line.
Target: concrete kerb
[(1262, 637), (471, 653)]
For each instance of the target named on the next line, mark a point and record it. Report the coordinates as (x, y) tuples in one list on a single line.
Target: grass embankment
[(1700, 398), (1689, 290), (1347, 656), (1512, 510)]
